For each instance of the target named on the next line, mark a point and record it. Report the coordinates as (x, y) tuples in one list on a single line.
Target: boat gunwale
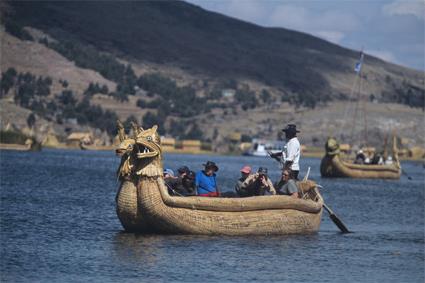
[(255, 203), (347, 170), (366, 167)]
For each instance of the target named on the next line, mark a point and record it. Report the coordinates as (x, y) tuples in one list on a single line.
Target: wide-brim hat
[(211, 164), (290, 128)]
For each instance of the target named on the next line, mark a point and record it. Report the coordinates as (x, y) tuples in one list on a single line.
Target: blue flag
[(359, 64)]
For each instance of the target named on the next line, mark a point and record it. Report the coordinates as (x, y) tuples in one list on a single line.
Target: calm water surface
[(58, 224)]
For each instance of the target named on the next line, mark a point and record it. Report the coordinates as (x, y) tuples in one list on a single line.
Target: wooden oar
[(336, 220), (404, 172)]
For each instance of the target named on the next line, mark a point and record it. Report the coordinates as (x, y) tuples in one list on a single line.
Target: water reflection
[(136, 248)]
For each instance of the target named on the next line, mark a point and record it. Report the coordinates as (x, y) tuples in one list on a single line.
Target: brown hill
[(36, 58), (202, 50)]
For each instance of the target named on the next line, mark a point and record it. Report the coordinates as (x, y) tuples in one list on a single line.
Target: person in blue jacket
[(205, 181)]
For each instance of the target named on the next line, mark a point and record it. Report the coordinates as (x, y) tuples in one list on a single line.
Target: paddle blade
[(339, 223)]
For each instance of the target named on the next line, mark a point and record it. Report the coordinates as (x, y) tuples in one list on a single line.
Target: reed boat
[(144, 205), (29, 145), (333, 166)]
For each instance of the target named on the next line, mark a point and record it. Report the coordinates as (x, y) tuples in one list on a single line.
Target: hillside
[(171, 63), (181, 34)]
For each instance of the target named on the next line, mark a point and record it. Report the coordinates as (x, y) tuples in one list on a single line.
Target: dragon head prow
[(125, 147), (140, 154), (148, 143), (148, 153)]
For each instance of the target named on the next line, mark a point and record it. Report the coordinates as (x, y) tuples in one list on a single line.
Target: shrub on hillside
[(17, 30), (7, 80)]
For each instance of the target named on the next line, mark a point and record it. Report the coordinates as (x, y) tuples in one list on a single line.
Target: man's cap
[(246, 169), (262, 170), (169, 172), (291, 128), (183, 169), (211, 164)]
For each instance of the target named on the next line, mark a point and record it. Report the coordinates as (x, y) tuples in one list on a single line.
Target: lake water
[(58, 224)]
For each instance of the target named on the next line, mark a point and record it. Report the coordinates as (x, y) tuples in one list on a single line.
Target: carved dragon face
[(125, 147), (148, 143)]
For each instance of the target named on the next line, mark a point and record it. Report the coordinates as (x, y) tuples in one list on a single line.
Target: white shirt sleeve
[(293, 150)]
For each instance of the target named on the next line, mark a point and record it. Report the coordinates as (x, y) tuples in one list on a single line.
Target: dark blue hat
[(291, 128), (211, 164)]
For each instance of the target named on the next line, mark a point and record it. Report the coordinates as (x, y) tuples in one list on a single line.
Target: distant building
[(228, 93), (78, 138), (191, 145), (235, 137), (72, 121), (168, 144)]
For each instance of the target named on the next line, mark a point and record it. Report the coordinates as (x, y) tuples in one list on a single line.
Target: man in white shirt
[(292, 151)]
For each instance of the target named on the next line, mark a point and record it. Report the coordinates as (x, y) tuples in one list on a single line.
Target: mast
[(358, 70)]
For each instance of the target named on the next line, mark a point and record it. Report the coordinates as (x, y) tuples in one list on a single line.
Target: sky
[(392, 30)]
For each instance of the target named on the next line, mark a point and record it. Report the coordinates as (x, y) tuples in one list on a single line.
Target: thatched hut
[(75, 140)]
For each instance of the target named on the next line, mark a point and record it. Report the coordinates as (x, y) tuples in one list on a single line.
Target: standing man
[(292, 151), (205, 181)]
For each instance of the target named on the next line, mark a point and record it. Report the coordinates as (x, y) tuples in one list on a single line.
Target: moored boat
[(30, 145), (263, 147), (144, 205)]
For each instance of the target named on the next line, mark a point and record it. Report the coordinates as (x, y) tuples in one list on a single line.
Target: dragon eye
[(149, 138)]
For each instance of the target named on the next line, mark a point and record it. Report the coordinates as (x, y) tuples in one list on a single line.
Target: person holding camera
[(257, 184)]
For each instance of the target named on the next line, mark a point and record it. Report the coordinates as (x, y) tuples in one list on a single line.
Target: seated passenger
[(183, 185), (257, 184), (360, 158), (377, 159), (245, 171), (183, 171), (205, 181), (169, 180), (287, 185), (389, 161), (188, 182), (168, 173)]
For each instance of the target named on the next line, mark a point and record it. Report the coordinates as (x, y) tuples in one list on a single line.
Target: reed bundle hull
[(148, 208), (332, 166)]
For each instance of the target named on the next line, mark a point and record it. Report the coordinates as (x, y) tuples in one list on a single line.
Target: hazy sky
[(389, 29)]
